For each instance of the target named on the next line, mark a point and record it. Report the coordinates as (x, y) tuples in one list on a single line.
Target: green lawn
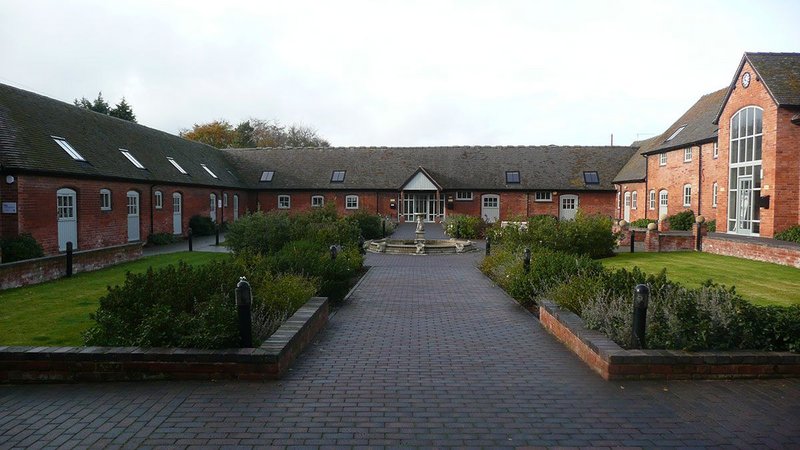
[(57, 312), (761, 283)]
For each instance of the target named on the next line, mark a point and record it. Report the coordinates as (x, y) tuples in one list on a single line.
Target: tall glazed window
[(744, 182)]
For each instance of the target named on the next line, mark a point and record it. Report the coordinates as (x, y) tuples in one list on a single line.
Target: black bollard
[(641, 297), (458, 230), (361, 245), (69, 259), (244, 300), (216, 238), (526, 262), (698, 245), (633, 239), (189, 233), (488, 245), (384, 227), (334, 252)]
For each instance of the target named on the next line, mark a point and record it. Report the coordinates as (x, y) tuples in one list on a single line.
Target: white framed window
[(351, 202), (745, 171), (591, 177), (672, 136), (105, 200), (225, 199), (687, 154), (464, 195), (158, 200), (544, 196), (714, 193), (209, 171), (176, 165), (662, 159), (652, 200), (284, 202), (619, 194), (687, 195), (266, 176), (131, 158), (317, 201), (634, 199), (68, 148), (337, 176), (716, 149), (512, 177)]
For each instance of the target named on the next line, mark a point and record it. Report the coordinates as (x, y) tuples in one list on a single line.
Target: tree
[(218, 133), (123, 111), (303, 136), (99, 105), (244, 135)]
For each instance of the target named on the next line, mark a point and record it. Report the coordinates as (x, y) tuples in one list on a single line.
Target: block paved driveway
[(427, 352)]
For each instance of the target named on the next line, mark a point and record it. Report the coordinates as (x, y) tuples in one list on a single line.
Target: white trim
[(672, 136), (714, 194), (543, 196), (662, 159), (347, 202), (321, 201), (652, 199), (335, 178), (635, 200), (68, 148), (266, 176), (176, 165), (131, 158), (209, 171), (687, 154), (464, 195), (284, 201), (158, 199), (687, 195), (105, 199), (716, 149)]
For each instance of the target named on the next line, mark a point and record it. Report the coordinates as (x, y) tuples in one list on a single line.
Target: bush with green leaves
[(711, 226), (464, 227), (162, 239), (193, 306), (682, 221), (202, 225), (369, 225), (791, 234), (21, 247), (642, 223)]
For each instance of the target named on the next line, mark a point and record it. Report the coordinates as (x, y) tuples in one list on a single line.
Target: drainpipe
[(700, 179), (646, 187), (151, 209)]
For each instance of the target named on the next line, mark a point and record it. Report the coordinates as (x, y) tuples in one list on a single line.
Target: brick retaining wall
[(70, 364), (39, 270), (759, 249), (612, 362)]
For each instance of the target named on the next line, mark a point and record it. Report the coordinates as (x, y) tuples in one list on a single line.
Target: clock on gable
[(746, 79)]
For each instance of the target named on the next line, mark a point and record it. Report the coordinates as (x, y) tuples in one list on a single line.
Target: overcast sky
[(396, 73)]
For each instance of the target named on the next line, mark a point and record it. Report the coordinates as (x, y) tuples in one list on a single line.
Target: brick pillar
[(663, 224), (652, 243)]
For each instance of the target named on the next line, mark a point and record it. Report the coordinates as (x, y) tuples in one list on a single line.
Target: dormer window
[(512, 177), (337, 176), (591, 177), (176, 165), (209, 171), (266, 176), (672, 136), (131, 158), (68, 148)]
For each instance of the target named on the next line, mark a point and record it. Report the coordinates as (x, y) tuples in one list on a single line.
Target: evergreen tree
[(123, 111)]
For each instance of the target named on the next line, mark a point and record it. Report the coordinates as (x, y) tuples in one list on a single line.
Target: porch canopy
[(421, 194)]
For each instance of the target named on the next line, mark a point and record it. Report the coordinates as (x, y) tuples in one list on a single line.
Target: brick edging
[(612, 362), (71, 364)]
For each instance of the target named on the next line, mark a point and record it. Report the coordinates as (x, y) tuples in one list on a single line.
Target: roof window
[(266, 176), (209, 171), (591, 177), (131, 158), (68, 148), (672, 136), (176, 165), (512, 177), (337, 176)]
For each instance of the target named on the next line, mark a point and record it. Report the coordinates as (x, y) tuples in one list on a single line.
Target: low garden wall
[(39, 270), (759, 249), (612, 362), (70, 364)]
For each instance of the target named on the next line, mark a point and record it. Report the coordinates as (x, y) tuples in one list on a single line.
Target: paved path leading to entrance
[(427, 352)]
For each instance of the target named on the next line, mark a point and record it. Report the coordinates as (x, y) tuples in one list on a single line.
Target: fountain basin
[(421, 247)]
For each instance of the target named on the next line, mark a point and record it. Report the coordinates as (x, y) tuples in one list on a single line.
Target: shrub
[(20, 247), (202, 225), (682, 221), (162, 239), (369, 225), (642, 223), (464, 227), (711, 226), (791, 234), (312, 259)]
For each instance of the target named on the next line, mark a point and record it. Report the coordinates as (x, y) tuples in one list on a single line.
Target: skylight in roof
[(512, 177), (209, 171), (266, 176), (591, 177), (131, 158), (176, 165), (337, 176), (68, 148), (672, 136)]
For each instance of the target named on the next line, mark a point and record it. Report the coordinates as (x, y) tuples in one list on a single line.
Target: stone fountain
[(420, 245)]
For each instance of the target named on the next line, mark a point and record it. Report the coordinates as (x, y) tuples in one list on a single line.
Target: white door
[(67, 218), (213, 207), (177, 219), (663, 203), (627, 215), (569, 207), (744, 208), (235, 207), (490, 208), (133, 216)]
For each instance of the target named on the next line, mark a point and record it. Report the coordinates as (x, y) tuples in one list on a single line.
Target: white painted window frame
[(687, 195), (662, 159), (284, 201), (158, 199), (351, 202), (321, 202), (687, 154), (543, 196), (463, 196), (105, 199)]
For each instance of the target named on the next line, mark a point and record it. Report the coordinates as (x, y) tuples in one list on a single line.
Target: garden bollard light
[(189, 233), (384, 227), (526, 262), (488, 245), (361, 245), (216, 231), (641, 297), (244, 299), (633, 239), (334, 252), (69, 259)]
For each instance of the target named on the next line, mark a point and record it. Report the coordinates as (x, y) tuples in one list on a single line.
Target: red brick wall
[(784, 254), (673, 177), (786, 189), (641, 211)]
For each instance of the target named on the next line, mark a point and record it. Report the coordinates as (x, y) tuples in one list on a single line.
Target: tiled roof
[(698, 122), (636, 167), (28, 121), (370, 168)]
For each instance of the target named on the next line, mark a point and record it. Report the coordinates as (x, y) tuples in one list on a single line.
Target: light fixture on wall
[(10, 179)]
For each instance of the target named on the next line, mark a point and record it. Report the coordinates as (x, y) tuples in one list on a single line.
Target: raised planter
[(70, 364), (612, 362)]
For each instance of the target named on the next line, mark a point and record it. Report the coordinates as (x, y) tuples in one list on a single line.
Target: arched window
[(634, 200), (652, 199), (744, 185), (687, 195), (105, 200), (158, 199)]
